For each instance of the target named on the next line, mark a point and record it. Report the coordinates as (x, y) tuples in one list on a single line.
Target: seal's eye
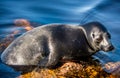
[(93, 35)]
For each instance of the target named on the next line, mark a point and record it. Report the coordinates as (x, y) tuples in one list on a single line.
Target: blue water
[(63, 11)]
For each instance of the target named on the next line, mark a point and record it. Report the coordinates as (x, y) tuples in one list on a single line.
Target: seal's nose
[(111, 47)]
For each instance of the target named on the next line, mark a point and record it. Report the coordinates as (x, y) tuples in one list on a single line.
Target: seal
[(48, 44)]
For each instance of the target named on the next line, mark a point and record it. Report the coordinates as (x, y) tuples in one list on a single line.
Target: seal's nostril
[(111, 47)]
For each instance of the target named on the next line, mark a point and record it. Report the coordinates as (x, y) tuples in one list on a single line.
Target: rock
[(71, 70)]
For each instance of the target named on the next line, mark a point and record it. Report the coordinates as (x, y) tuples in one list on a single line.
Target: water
[(64, 11)]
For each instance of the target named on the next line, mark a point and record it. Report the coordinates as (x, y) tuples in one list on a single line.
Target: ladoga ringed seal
[(48, 44)]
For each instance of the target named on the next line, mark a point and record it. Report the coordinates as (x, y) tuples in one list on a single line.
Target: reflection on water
[(63, 11), (7, 72)]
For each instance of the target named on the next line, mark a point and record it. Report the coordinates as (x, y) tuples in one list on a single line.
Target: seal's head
[(98, 37)]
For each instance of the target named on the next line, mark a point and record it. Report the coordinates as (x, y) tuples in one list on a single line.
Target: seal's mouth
[(108, 48)]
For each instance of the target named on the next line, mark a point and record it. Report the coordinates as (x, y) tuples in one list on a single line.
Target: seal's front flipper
[(53, 60), (43, 62)]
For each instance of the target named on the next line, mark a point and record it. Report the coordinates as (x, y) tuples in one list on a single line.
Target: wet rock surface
[(71, 70)]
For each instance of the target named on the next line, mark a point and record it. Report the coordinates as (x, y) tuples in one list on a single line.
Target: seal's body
[(48, 44)]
